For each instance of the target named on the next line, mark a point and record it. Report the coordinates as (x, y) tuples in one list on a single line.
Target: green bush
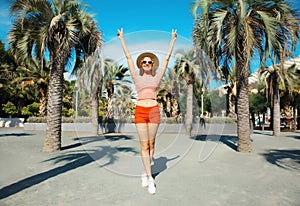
[(36, 120), (67, 112), (31, 109), (9, 108)]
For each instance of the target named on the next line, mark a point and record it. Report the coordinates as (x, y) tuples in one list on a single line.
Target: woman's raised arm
[(169, 52), (126, 52)]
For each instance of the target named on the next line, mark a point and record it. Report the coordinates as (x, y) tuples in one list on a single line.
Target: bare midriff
[(146, 102)]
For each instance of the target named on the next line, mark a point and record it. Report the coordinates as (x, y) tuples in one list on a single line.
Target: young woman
[(147, 114)]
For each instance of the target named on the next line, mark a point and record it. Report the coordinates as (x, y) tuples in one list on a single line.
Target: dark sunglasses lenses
[(147, 62)]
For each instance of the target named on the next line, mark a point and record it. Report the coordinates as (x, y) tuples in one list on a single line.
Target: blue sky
[(132, 15), (137, 15), (147, 24)]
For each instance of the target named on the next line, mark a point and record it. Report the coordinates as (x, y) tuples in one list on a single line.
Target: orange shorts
[(147, 114)]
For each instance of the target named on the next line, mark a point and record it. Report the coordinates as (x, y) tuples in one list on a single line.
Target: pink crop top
[(146, 86)]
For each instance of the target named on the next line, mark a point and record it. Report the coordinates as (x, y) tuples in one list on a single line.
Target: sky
[(131, 15), (147, 25)]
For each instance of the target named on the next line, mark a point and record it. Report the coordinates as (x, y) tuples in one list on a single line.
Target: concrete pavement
[(104, 170)]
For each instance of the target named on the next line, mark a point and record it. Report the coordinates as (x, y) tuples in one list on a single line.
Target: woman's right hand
[(174, 34), (120, 33)]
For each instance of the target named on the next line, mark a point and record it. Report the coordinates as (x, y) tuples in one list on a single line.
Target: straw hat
[(147, 54)]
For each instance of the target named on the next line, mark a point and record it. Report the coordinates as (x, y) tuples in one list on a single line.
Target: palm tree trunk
[(189, 109), (232, 113), (276, 113), (109, 112), (53, 132), (43, 103), (110, 93), (243, 125)]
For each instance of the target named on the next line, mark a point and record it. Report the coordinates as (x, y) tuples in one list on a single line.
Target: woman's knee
[(152, 143), (145, 146)]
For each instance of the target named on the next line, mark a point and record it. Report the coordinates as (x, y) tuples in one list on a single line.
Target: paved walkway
[(202, 170)]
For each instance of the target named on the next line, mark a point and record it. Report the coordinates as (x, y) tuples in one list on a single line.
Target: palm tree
[(191, 66), (230, 31), (114, 76), (57, 27), (278, 78), (168, 94), (89, 80), (292, 96), (229, 78), (123, 102)]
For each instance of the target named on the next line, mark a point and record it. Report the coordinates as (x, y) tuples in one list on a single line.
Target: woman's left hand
[(120, 33)]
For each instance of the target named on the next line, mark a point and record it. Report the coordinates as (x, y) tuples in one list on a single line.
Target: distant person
[(147, 114), (202, 121)]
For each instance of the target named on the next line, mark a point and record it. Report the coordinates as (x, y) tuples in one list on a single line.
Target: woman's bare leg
[(152, 130), (142, 130)]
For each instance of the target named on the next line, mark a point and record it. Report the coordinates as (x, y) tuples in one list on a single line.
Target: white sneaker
[(152, 163), (151, 186), (144, 180)]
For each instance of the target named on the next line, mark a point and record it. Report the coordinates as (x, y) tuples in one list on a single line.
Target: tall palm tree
[(277, 78), (90, 78), (230, 31), (191, 66), (57, 27)]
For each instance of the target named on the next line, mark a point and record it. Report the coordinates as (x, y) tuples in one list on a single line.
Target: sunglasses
[(147, 62)]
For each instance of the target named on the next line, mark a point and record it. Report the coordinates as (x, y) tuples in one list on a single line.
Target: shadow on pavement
[(74, 158), (87, 140), (160, 164), (229, 140), (295, 136), (15, 134), (116, 137), (263, 132), (287, 159)]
